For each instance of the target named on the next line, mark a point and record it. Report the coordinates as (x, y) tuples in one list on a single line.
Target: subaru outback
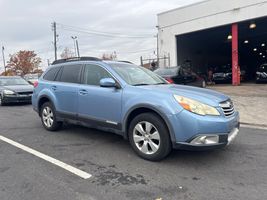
[(131, 101)]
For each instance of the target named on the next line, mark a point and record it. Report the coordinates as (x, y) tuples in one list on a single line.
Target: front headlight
[(195, 106), (8, 92)]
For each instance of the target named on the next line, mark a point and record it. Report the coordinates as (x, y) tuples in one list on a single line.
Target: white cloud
[(27, 25)]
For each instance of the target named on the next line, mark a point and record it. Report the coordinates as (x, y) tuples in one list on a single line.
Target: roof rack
[(76, 59), (125, 61)]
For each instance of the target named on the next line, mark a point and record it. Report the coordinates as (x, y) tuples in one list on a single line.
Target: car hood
[(206, 96), (19, 88)]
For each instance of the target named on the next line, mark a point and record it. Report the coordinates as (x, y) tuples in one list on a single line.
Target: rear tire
[(49, 118), (149, 137)]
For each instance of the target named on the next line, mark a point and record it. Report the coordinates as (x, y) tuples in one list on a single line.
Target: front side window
[(93, 74), (70, 74)]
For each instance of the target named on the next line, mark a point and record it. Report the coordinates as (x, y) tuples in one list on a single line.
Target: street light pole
[(78, 50), (3, 54), (74, 43)]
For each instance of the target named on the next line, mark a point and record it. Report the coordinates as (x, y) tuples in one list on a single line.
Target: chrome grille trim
[(228, 108)]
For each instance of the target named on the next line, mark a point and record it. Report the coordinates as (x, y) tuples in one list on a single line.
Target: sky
[(101, 26)]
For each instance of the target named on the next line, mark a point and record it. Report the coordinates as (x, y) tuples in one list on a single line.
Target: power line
[(140, 51), (101, 33)]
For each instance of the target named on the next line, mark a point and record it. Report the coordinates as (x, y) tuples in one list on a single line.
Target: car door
[(98, 105), (66, 89)]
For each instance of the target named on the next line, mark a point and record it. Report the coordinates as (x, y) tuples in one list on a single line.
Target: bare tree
[(109, 56), (66, 53)]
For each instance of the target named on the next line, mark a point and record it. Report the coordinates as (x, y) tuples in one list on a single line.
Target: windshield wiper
[(140, 84), (162, 83)]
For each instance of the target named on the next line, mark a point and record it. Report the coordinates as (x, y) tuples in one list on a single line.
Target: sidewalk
[(249, 99)]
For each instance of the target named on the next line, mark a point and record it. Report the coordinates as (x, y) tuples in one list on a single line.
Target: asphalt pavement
[(235, 172)]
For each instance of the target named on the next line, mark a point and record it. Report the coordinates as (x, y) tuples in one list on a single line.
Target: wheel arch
[(144, 108), (43, 99)]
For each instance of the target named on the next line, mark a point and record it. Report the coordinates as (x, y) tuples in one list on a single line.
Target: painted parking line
[(253, 126), (47, 158)]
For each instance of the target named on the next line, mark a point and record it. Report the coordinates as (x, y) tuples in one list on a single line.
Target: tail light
[(169, 80), (35, 84)]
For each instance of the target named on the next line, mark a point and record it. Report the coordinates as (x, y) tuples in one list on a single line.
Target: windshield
[(223, 69), (167, 71), (12, 81), (31, 76), (263, 68), (135, 75)]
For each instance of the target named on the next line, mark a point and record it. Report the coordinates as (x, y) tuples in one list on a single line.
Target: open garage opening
[(211, 49)]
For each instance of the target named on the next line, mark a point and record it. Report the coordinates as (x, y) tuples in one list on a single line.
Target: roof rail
[(125, 61), (76, 59)]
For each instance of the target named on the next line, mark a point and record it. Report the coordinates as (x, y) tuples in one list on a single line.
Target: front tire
[(1, 101), (203, 84), (49, 118), (149, 137)]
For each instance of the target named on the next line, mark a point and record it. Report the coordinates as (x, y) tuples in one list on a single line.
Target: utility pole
[(54, 28), (157, 46), (3, 54)]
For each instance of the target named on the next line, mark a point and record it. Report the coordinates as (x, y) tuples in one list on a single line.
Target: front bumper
[(224, 140), (187, 126), (17, 98), (261, 79)]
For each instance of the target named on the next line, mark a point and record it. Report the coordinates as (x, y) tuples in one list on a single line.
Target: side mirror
[(107, 82)]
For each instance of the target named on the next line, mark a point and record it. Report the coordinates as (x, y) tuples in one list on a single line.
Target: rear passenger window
[(71, 74), (51, 74), (93, 74)]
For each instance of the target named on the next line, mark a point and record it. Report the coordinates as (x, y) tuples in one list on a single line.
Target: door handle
[(83, 92), (54, 87)]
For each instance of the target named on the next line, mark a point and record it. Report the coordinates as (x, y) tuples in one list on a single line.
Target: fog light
[(205, 139)]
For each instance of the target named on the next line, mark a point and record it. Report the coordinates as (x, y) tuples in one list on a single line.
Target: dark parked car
[(14, 89), (261, 74), (180, 75), (223, 74)]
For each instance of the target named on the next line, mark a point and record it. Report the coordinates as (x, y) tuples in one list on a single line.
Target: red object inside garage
[(235, 66)]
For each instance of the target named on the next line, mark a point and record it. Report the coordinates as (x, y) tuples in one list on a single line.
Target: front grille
[(228, 108), (25, 93)]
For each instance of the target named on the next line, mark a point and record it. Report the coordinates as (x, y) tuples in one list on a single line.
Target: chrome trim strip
[(232, 135)]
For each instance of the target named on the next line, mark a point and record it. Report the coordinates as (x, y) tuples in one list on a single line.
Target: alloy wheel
[(146, 137), (48, 117)]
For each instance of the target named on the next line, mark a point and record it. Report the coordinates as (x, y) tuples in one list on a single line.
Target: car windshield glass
[(31, 76), (263, 68), (223, 69), (167, 71), (12, 81), (135, 75)]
